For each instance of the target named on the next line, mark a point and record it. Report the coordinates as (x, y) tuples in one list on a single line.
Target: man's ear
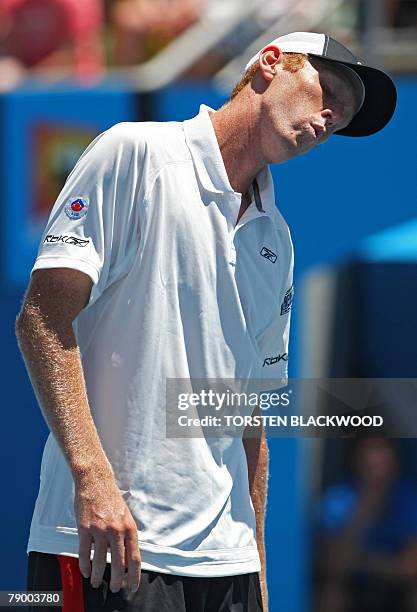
[(269, 58)]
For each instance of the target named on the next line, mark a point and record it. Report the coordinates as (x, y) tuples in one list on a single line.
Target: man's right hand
[(104, 519), (44, 330)]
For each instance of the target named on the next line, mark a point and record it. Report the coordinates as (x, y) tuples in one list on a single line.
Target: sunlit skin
[(281, 114), (303, 109)]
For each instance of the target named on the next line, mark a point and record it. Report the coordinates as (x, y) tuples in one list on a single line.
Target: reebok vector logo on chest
[(268, 254)]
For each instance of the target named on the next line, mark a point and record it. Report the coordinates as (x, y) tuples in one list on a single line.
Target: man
[(165, 257)]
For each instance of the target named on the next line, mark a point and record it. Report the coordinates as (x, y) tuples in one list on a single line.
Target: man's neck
[(235, 129)]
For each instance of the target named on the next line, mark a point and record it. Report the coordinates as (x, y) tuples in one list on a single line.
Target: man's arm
[(256, 449), (46, 339)]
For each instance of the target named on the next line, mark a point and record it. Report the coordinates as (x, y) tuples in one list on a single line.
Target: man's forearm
[(257, 457), (54, 366), (52, 358), (256, 449)]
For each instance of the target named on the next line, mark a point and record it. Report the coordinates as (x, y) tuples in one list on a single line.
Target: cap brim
[(379, 103)]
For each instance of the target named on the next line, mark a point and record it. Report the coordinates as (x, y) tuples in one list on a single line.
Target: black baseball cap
[(379, 94)]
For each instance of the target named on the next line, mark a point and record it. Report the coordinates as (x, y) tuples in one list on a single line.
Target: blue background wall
[(332, 198)]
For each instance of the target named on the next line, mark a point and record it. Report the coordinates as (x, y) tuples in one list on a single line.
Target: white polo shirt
[(179, 292)]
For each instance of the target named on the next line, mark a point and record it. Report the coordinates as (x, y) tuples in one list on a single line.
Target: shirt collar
[(208, 161), (202, 142)]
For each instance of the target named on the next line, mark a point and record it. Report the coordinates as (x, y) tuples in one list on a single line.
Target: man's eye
[(327, 91)]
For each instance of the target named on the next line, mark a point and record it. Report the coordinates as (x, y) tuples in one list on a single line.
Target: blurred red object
[(46, 34)]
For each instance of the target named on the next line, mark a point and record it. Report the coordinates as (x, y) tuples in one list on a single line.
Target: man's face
[(303, 109), (376, 462)]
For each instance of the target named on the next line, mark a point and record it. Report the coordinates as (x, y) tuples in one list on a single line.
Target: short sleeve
[(274, 340), (94, 224), (273, 344)]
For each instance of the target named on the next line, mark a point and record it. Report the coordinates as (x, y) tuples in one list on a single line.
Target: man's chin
[(292, 146), (300, 145)]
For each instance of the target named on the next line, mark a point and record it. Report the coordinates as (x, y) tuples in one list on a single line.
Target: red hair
[(292, 62)]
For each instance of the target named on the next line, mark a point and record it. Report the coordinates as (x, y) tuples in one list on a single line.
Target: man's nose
[(329, 117)]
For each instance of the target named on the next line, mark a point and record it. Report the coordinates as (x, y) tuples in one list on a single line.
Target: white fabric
[(178, 292)]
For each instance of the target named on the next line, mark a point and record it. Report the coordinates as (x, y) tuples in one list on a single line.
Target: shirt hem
[(213, 563), (66, 262)]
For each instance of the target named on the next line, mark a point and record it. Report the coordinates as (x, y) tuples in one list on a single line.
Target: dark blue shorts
[(157, 592)]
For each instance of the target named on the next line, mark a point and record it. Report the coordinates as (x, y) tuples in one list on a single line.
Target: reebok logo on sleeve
[(50, 238)]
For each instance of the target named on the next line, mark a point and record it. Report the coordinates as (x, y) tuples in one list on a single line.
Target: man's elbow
[(25, 328), (21, 323)]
